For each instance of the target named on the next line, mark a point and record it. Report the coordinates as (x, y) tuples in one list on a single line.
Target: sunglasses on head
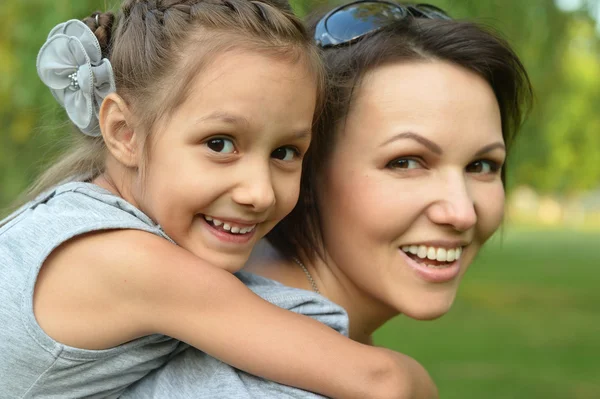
[(350, 22)]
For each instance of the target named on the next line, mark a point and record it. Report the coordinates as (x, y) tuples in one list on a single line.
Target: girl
[(193, 121), (402, 186)]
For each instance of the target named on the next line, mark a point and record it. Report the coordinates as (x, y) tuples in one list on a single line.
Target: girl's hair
[(157, 48), (465, 44)]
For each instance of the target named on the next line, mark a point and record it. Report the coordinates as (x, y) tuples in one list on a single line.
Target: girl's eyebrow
[(417, 137), (302, 134), (233, 119), (226, 117)]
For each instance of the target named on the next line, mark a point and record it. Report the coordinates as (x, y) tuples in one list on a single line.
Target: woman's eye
[(483, 167), (285, 153), (404, 163), (224, 146)]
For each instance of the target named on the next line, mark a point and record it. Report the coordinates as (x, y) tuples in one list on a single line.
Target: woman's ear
[(118, 132)]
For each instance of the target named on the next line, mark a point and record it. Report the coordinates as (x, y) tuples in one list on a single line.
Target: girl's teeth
[(228, 227), (422, 252), (413, 249)]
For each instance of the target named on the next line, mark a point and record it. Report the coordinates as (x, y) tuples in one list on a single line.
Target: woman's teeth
[(433, 253), (228, 226)]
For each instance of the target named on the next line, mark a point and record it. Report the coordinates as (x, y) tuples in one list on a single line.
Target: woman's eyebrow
[(436, 148), (417, 137), (491, 147)]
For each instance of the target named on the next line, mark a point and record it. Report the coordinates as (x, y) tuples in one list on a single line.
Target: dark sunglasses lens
[(358, 19)]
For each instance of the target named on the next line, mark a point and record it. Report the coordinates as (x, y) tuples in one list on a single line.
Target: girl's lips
[(439, 274), (227, 237)]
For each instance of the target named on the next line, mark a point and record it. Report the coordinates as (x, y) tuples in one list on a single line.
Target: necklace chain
[(308, 275)]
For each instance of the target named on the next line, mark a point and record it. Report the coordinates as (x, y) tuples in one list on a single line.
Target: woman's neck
[(366, 313)]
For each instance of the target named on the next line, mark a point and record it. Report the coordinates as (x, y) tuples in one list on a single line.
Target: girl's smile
[(225, 167), (229, 231)]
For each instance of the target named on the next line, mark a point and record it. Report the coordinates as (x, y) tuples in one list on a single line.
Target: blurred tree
[(32, 123), (556, 152)]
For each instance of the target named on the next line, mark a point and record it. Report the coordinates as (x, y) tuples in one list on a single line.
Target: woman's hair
[(465, 44), (157, 48)]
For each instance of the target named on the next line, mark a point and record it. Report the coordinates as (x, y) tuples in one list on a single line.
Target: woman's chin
[(428, 308)]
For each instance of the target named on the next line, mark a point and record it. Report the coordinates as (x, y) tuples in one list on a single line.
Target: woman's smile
[(403, 196), (429, 268)]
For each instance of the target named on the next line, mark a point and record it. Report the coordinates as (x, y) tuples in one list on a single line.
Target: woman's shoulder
[(194, 374), (197, 374), (297, 300)]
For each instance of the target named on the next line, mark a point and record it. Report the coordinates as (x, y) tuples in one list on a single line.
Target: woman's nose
[(455, 206)]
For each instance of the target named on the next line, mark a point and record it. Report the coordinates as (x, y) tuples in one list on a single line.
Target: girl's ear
[(118, 132)]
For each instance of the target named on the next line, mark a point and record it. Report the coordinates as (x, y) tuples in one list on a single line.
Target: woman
[(403, 185)]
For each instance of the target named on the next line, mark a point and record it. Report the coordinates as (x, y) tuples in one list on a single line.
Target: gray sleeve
[(194, 374)]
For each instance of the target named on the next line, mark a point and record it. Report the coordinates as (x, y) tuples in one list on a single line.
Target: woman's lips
[(434, 271)]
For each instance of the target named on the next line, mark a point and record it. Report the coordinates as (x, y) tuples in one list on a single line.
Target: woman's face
[(414, 183)]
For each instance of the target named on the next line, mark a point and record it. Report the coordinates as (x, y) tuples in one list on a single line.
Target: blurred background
[(526, 323)]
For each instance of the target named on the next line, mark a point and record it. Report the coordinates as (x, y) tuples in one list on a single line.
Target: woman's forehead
[(428, 97)]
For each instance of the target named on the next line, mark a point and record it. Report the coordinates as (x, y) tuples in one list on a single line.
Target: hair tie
[(70, 63)]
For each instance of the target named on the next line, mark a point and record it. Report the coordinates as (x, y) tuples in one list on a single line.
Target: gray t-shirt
[(32, 364), (194, 374)]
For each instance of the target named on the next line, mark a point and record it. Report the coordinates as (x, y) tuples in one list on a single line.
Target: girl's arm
[(147, 285), (228, 321)]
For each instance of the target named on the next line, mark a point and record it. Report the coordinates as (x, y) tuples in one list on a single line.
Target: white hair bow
[(70, 63)]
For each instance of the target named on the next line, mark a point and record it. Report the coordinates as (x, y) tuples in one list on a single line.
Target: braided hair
[(158, 47)]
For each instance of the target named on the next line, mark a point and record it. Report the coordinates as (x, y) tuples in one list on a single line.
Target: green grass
[(526, 323)]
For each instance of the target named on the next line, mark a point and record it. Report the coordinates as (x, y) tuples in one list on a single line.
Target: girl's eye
[(404, 163), (483, 167), (285, 153), (224, 146)]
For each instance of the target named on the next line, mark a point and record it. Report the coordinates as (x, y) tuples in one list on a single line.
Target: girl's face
[(413, 188), (225, 167)]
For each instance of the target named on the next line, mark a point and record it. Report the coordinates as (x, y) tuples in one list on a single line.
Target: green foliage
[(32, 123), (557, 149)]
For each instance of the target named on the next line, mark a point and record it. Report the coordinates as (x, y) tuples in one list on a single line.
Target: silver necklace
[(310, 278)]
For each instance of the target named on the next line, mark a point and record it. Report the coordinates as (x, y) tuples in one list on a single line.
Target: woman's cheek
[(489, 205)]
